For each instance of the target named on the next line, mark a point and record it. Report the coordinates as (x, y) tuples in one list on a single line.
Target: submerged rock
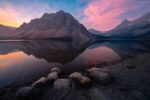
[(24, 91), (76, 76), (56, 69), (42, 81), (101, 75), (62, 84), (52, 76)]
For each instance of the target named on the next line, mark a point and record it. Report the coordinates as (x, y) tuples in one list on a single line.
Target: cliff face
[(6, 31), (138, 28), (55, 25)]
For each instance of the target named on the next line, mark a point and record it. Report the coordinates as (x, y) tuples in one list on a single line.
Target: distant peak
[(64, 14), (45, 15), (60, 11), (125, 21), (24, 23), (93, 30), (146, 16)]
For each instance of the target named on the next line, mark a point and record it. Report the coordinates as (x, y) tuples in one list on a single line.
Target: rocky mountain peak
[(45, 15), (123, 24), (60, 12), (125, 21), (143, 18), (55, 25)]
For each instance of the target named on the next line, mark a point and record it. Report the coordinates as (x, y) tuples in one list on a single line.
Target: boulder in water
[(41, 82), (75, 76), (62, 84), (101, 75), (52, 76)]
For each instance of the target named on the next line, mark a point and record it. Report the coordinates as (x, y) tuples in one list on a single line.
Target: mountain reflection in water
[(26, 61)]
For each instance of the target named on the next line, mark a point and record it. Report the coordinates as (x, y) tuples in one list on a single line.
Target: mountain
[(6, 31), (98, 33), (123, 23), (59, 25), (62, 25), (95, 32), (138, 28)]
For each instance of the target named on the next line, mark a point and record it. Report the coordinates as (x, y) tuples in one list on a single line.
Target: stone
[(97, 94), (75, 76), (41, 82), (101, 75), (85, 80), (52, 76), (24, 91), (56, 69), (62, 84), (78, 78)]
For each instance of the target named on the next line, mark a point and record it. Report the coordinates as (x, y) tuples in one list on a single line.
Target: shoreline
[(130, 80)]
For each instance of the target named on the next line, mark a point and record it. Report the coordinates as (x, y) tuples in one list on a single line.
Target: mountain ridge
[(64, 26), (133, 29), (54, 25), (6, 31), (138, 28)]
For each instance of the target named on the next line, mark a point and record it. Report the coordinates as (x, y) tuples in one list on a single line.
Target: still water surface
[(26, 61)]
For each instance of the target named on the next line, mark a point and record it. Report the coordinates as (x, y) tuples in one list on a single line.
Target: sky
[(102, 15)]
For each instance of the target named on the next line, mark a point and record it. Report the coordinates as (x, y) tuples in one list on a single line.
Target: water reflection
[(27, 61), (99, 55), (17, 66), (106, 53)]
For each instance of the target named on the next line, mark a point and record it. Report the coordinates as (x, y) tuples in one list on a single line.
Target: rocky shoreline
[(127, 80), (80, 80)]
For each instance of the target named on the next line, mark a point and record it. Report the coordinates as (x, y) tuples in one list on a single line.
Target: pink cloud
[(105, 14)]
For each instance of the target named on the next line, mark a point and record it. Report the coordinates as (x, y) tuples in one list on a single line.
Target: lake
[(26, 61)]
